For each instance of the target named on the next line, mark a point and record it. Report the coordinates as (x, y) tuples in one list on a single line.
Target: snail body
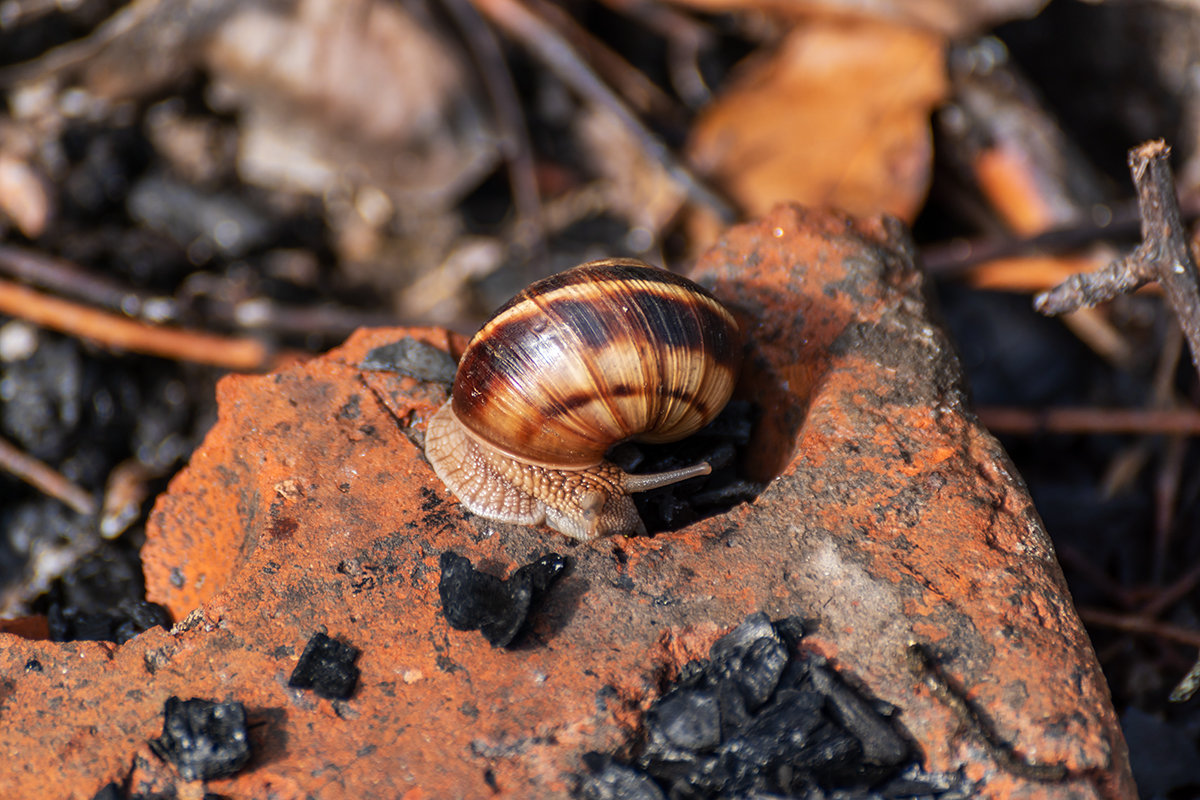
[(608, 351)]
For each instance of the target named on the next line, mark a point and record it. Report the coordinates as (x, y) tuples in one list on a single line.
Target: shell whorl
[(607, 351)]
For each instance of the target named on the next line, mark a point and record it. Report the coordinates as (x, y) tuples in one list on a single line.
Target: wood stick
[(45, 478), (1162, 256), (1028, 422), (110, 330), (547, 46)]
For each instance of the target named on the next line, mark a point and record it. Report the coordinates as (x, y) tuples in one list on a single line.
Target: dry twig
[(1026, 422), (555, 52), (1142, 625), (71, 280), (45, 478), (67, 278), (1162, 256), (126, 334), (506, 107)]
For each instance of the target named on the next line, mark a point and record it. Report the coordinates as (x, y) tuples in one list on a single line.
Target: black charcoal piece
[(687, 718), (117, 624), (731, 645), (203, 739), (914, 783), (135, 617), (110, 791), (735, 714), (612, 781), (542, 573), (830, 755), (788, 721), (327, 667), (760, 670), (881, 745), (730, 494), (413, 358), (761, 719), (473, 600)]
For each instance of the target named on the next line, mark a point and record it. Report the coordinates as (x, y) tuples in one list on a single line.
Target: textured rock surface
[(893, 518)]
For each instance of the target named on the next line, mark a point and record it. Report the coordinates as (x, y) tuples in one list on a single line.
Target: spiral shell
[(608, 351), (604, 352)]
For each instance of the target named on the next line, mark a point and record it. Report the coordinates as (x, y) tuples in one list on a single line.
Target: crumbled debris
[(202, 738), (473, 600), (118, 624), (759, 719), (327, 667), (414, 358)]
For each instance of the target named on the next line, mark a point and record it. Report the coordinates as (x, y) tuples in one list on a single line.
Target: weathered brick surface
[(893, 518)]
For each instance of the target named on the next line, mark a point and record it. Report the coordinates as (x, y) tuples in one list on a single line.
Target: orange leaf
[(838, 116)]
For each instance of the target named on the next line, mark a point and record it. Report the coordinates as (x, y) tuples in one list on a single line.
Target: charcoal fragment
[(831, 755), (789, 722), (327, 667), (119, 623), (728, 495), (612, 781), (731, 645), (721, 444), (473, 600), (688, 718), (735, 713), (760, 669), (110, 791), (761, 719), (881, 745), (414, 358), (202, 738)]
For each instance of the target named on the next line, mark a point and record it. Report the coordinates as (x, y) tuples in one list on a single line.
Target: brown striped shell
[(604, 352), (607, 351)]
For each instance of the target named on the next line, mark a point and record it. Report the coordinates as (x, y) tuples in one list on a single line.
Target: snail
[(607, 351)]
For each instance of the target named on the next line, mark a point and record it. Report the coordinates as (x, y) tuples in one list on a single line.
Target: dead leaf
[(837, 116), (955, 18)]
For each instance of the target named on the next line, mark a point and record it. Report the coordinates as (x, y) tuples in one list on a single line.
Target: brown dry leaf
[(955, 18), (838, 116)]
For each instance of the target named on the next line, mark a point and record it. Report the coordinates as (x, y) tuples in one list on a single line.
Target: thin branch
[(45, 479), (506, 106), (555, 52), (956, 256), (125, 334), (63, 277), (74, 53), (68, 278), (1027, 422), (686, 38), (1162, 256), (626, 80), (1135, 623), (1172, 594)]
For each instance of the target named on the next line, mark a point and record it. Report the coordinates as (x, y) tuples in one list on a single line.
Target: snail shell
[(608, 351)]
